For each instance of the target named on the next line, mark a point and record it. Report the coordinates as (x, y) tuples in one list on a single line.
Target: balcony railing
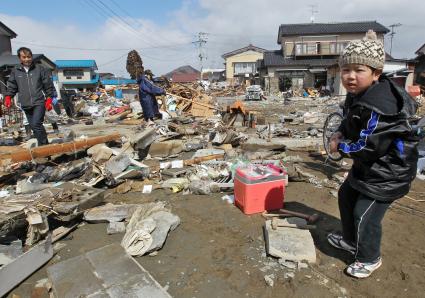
[(318, 48)]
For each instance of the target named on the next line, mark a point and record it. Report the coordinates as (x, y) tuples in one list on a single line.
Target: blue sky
[(83, 11), (163, 31)]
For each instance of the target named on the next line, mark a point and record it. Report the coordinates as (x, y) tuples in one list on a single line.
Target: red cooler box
[(259, 188)]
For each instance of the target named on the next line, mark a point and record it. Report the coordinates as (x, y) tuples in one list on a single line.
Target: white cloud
[(146, 36), (232, 24)]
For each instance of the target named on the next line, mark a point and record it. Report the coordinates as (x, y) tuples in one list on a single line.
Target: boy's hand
[(334, 141), (48, 103), (8, 101)]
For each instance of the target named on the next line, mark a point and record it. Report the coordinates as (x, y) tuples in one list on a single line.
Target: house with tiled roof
[(241, 64), (309, 53)]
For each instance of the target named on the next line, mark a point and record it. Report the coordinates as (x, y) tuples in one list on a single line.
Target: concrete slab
[(109, 213), (166, 148), (75, 278), (24, 265), (290, 244), (104, 272), (143, 139), (115, 228), (255, 144), (83, 198), (118, 164)]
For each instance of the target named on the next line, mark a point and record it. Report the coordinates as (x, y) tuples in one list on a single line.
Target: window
[(68, 78), (79, 78), (73, 73), (244, 67)]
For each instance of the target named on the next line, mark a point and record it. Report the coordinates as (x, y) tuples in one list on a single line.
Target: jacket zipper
[(29, 87)]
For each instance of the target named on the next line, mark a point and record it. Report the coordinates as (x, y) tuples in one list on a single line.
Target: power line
[(135, 29), (148, 56), (104, 13), (98, 49), (137, 22), (240, 34), (112, 61), (118, 16)]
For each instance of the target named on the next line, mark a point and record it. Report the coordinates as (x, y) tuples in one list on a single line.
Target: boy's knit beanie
[(368, 51)]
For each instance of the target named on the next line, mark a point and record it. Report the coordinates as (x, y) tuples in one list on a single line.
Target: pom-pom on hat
[(368, 51)]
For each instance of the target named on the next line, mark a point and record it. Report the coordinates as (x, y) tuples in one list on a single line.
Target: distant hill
[(182, 70)]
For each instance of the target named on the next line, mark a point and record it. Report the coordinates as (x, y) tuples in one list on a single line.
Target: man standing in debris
[(147, 93), (376, 134), (35, 87)]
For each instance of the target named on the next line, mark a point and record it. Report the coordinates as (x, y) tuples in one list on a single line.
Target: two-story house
[(77, 74), (241, 64), (309, 54)]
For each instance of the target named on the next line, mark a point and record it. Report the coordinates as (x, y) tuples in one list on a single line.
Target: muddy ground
[(217, 251)]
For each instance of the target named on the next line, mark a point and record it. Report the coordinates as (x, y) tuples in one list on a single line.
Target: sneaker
[(337, 241), (363, 270), (150, 123)]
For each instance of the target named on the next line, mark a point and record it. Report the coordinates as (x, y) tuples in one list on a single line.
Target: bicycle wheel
[(331, 125)]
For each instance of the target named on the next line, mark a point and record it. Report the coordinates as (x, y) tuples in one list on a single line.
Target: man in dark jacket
[(147, 93), (35, 87), (377, 135)]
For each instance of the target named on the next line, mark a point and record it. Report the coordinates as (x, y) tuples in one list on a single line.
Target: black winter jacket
[(31, 85), (378, 137)]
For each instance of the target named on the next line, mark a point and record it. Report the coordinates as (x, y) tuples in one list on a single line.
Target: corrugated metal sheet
[(117, 81), (76, 64)]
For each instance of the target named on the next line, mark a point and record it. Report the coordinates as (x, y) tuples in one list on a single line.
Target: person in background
[(67, 98), (35, 87), (147, 94), (2, 92)]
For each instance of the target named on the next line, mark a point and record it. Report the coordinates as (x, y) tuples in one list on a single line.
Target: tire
[(331, 125)]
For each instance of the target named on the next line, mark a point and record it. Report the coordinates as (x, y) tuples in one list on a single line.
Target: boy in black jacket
[(377, 135)]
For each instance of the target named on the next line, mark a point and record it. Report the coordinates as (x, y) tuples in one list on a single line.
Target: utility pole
[(202, 40), (314, 10), (392, 35)]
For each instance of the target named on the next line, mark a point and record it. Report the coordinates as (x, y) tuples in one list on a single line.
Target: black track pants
[(361, 218)]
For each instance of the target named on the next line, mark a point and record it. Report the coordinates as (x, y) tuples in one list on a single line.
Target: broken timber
[(196, 103), (49, 150)]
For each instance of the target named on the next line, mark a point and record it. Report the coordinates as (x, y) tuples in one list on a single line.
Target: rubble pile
[(197, 148)]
